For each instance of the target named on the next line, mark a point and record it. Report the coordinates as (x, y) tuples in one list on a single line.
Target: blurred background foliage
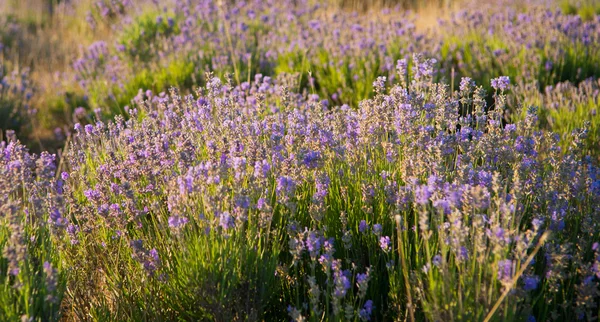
[(64, 61)]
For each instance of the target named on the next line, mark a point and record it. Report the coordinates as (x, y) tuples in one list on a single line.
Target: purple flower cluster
[(333, 197)]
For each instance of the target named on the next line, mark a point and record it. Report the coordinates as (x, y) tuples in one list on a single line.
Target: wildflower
[(89, 129), (501, 83), (530, 283), (342, 285), (377, 229), (366, 311), (322, 186), (379, 84), (363, 226), (285, 186), (505, 270), (422, 194), (177, 222), (384, 242), (362, 282), (466, 85), (313, 244), (226, 220)]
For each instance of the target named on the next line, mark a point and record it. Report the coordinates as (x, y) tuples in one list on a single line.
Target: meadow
[(299, 160)]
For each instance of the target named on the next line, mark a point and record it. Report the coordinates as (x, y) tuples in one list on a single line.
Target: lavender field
[(299, 160)]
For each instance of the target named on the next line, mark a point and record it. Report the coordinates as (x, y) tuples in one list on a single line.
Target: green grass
[(587, 9), (141, 36)]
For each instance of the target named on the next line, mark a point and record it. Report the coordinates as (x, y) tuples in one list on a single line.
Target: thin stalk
[(409, 303), (516, 277)]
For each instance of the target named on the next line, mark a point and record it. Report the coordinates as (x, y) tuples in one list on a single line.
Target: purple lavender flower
[(89, 129), (363, 226), (379, 83), (505, 270), (342, 285), (530, 283), (365, 313), (262, 169), (377, 228), (311, 159), (313, 244), (177, 222), (322, 186), (226, 221), (384, 243), (422, 194), (285, 186), (466, 84), (501, 83), (92, 194)]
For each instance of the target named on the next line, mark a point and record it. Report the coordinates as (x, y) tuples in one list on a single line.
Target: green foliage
[(28, 294), (10, 115), (341, 80), (219, 278), (568, 7), (139, 37), (483, 57), (587, 9), (61, 108), (566, 108), (176, 72)]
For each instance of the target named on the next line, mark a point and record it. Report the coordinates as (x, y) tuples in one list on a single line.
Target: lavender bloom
[(342, 285), (365, 313), (322, 186), (92, 195), (377, 229), (285, 187), (311, 159), (57, 219), (363, 226), (379, 84), (466, 85), (89, 129), (505, 270), (313, 244), (501, 83), (362, 282), (422, 194), (262, 169), (384, 243), (177, 222), (226, 221), (530, 283)]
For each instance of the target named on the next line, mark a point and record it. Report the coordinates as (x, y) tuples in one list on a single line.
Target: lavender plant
[(128, 46), (255, 202)]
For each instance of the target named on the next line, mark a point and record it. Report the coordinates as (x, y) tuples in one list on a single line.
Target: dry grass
[(48, 42)]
